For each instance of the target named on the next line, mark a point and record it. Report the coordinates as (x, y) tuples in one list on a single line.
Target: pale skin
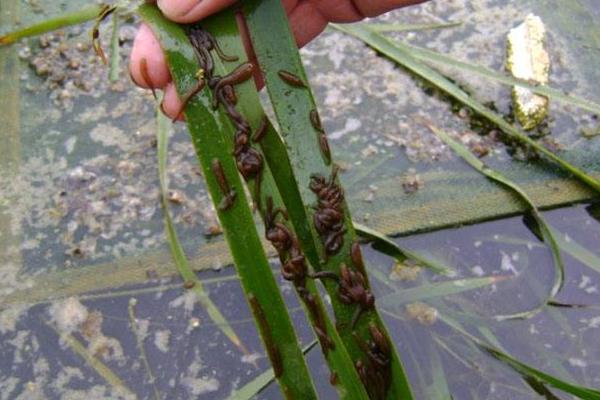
[(308, 18)]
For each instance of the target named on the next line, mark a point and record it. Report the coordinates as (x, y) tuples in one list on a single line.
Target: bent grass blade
[(546, 232)]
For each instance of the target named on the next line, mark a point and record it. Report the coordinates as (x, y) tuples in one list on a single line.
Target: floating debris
[(528, 60), (405, 271), (411, 181), (423, 313)]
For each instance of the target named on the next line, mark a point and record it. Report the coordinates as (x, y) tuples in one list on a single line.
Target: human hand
[(308, 18)]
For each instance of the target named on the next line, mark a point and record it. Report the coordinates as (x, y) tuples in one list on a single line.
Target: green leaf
[(214, 153), (384, 244), (258, 384), (181, 262)]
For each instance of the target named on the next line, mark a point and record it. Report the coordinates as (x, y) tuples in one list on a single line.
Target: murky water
[(92, 307)]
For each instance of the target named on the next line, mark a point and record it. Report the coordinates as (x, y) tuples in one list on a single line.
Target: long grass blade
[(399, 55), (98, 366), (384, 244), (546, 232), (390, 27), (179, 257), (438, 289), (255, 386), (524, 369), (74, 18), (115, 57), (435, 57), (223, 180)]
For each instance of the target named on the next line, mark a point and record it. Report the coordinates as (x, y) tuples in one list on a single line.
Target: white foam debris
[(9, 318), (477, 270), (162, 339), (352, 124), (68, 314), (585, 280), (195, 383), (577, 362), (251, 358), (507, 265), (186, 300)]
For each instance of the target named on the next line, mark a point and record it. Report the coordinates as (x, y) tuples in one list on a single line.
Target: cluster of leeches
[(328, 220)]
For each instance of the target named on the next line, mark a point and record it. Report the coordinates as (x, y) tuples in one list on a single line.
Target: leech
[(291, 79), (188, 97), (229, 194), (146, 76), (333, 378), (267, 335), (315, 120), (324, 145), (261, 130), (242, 73), (356, 257)]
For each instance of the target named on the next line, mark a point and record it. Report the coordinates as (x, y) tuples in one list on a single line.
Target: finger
[(370, 8), (307, 22), (337, 11), (171, 103), (187, 11), (155, 72)]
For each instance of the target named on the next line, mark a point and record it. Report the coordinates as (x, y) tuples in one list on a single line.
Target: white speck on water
[(507, 265), (187, 300), (194, 382), (251, 358), (577, 362), (585, 280), (161, 340), (477, 243), (352, 124), (568, 238), (70, 144), (477, 270), (592, 322), (533, 330), (591, 289)]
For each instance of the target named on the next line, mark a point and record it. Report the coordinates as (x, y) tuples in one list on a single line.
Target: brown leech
[(229, 193), (146, 76), (353, 290), (291, 79), (240, 74), (272, 349), (329, 211), (261, 131)]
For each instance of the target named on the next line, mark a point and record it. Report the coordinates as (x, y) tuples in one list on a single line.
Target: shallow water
[(83, 253)]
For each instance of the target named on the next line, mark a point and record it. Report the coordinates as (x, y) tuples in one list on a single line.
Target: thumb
[(188, 11)]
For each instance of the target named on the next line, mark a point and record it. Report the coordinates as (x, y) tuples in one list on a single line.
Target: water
[(84, 261)]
